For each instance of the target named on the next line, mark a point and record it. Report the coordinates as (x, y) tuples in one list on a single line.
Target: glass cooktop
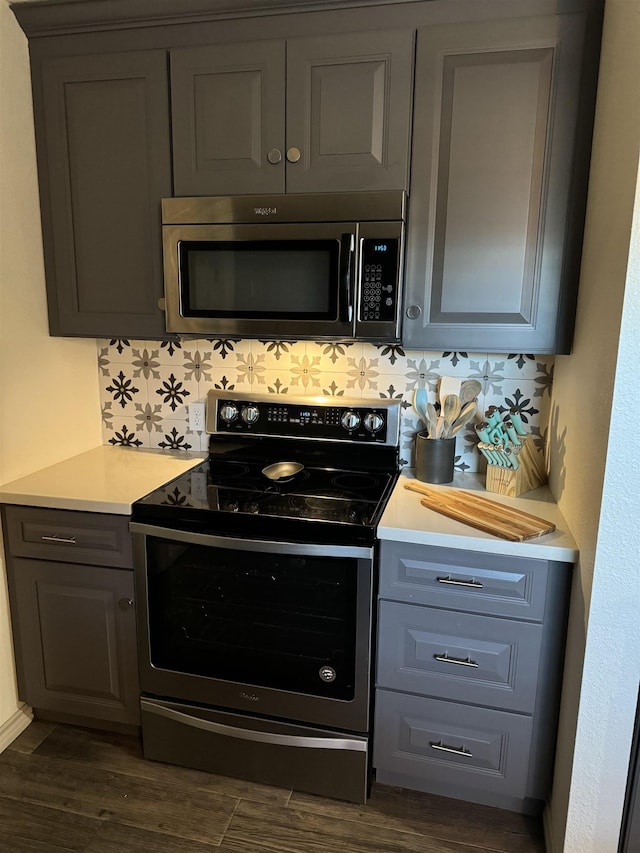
[(235, 496)]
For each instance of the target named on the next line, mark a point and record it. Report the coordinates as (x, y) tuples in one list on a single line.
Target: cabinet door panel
[(106, 131), (496, 109), (450, 749), (459, 656), (349, 111), (464, 580), (77, 639), (227, 114), (69, 536)]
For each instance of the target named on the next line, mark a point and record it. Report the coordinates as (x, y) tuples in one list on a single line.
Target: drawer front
[(464, 580), (68, 536), (458, 656), (445, 746)]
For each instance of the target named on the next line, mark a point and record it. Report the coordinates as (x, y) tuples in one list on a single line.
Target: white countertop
[(105, 479), (406, 520)]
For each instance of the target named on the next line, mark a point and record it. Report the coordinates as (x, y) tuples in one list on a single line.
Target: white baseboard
[(14, 726)]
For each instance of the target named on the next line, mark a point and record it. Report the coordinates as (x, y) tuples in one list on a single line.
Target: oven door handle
[(250, 734), (263, 546)]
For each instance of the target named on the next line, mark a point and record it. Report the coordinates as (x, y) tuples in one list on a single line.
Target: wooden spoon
[(432, 416), (467, 414), (450, 411), (469, 390)]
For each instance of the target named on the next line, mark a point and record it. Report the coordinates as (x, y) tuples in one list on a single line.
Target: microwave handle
[(347, 255)]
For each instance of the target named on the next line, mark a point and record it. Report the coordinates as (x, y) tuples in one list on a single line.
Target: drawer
[(68, 536), (458, 656), (464, 580), (451, 749)]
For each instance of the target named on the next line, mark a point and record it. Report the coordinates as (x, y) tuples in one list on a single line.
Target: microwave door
[(261, 280)]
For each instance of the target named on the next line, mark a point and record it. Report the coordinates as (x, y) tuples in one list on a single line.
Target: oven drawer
[(462, 580), (458, 656), (318, 761), (68, 536), (450, 749)]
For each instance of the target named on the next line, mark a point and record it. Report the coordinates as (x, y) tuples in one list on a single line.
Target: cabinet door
[(496, 108), (76, 639), (104, 154), (349, 111), (228, 118)]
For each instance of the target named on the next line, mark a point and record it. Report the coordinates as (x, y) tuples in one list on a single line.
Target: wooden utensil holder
[(529, 475)]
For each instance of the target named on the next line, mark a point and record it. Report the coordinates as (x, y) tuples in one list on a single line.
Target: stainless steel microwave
[(315, 267)]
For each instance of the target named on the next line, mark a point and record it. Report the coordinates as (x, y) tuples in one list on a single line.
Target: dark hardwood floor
[(64, 788)]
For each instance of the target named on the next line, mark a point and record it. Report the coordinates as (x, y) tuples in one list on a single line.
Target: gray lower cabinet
[(469, 661), (71, 594), (316, 114), (104, 163), (494, 236)]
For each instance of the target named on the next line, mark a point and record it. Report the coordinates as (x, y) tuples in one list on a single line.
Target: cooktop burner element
[(339, 476)]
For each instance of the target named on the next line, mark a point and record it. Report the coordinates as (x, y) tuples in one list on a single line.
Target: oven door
[(260, 280), (266, 628)]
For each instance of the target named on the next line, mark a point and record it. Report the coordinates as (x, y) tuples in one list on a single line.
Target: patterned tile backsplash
[(146, 386)]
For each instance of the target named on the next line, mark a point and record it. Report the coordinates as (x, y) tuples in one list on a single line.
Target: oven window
[(260, 279), (271, 620)]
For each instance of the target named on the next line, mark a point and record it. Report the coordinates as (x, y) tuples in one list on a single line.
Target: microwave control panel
[(379, 280)]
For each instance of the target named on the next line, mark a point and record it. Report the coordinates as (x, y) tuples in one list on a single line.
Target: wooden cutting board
[(482, 513)]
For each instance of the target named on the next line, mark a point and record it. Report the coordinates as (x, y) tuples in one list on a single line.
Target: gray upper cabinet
[(313, 114), (228, 118), (495, 128), (102, 130)]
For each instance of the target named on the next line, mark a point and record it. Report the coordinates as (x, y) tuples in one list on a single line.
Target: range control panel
[(315, 417)]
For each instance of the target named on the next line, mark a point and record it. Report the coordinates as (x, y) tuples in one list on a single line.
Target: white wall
[(48, 386), (596, 469)]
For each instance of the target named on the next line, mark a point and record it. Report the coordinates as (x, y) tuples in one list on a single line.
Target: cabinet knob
[(413, 312), (293, 154), (274, 156), (162, 304), (125, 603)]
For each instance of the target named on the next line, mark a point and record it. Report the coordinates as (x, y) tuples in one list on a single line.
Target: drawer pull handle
[(444, 658), (442, 747), (59, 540), (473, 584)]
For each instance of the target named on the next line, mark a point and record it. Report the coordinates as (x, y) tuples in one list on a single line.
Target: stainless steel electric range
[(255, 577)]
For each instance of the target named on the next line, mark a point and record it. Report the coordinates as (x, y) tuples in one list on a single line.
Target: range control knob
[(250, 414), (228, 412), (350, 420), (373, 422)]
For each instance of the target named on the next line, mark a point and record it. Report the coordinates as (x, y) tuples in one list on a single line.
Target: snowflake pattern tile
[(146, 386), (173, 391), (526, 366), (122, 390), (278, 355)]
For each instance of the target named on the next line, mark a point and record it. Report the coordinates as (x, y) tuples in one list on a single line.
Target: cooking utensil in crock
[(420, 405), (467, 414), (282, 471), (469, 390)]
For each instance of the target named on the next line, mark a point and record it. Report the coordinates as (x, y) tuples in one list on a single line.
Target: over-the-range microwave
[(310, 267)]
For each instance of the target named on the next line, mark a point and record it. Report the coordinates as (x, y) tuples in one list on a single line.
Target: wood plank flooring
[(70, 789)]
